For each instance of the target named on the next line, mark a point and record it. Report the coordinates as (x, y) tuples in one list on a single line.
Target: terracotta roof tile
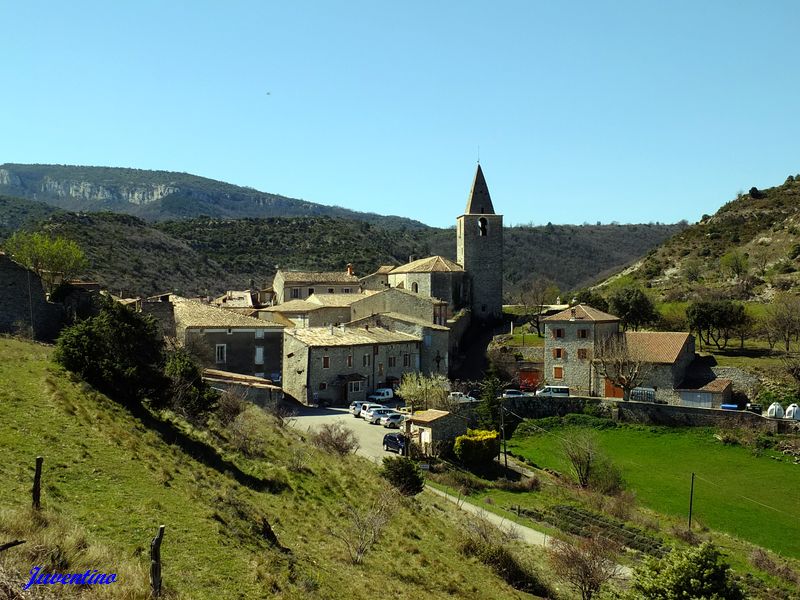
[(583, 312), (346, 336), (428, 416), (318, 277), (660, 347), (189, 313), (432, 264)]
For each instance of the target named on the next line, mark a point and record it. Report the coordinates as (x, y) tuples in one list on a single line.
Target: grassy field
[(753, 498), (109, 482)]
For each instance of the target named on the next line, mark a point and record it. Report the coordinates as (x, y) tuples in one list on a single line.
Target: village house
[(225, 340), (337, 365), (432, 429), (575, 337), (399, 300), (23, 305), (299, 285), (318, 310), (379, 280)]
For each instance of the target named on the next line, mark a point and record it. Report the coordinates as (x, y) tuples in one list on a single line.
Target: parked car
[(553, 391), (461, 398), (374, 415), (512, 393), (355, 407), (394, 419), (381, 395), (368, 406), (395, 442)]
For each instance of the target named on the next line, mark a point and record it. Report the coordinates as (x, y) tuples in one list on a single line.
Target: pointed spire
[(479, 202)]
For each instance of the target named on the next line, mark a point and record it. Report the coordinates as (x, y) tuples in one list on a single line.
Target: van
[(553, 391)]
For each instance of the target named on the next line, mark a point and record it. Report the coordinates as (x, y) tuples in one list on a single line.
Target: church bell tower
[(479, 249)]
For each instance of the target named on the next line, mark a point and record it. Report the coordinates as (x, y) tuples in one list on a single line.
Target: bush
[(191, 396), (404, 474), (478, 448), (465, 483), (335, 438), (229, 406), (526, 484), (698, 573), (248, 432), (606, 477)]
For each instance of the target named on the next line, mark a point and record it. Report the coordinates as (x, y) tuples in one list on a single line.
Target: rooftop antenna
[(479, 154)]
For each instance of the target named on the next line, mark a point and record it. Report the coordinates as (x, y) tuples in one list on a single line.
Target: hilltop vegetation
[(749, 249), (111, 479), (209, 255)]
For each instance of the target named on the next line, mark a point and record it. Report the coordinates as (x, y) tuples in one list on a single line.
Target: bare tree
[(587, 565), (425, 391), (581, 450), (621, 364), (536, 296), (783, 318), (361, 526)]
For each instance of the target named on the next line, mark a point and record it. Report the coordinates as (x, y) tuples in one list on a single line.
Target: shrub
[(404, 474), (229, 406), (335, 438), (526, 484), (699, 573), (465, 483), (248, 432), (191, 396), (760, 559), (587, 565), (478, 448), (606, 477)]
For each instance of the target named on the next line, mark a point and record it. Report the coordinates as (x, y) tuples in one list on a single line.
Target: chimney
[(572, 314), (349, 268), (331, 329), (410, 258)]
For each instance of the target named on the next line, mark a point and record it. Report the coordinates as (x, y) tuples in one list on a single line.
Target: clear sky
[(629, 111)]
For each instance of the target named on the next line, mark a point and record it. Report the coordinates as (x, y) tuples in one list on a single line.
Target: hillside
[(748, 249), (109, 481), (207, 256), (161, 195)]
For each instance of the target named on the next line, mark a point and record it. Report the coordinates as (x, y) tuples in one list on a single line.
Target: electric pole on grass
[(691, 499), (503, 432)]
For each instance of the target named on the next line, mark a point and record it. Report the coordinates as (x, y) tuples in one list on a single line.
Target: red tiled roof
[(582, 312), (660, 347)]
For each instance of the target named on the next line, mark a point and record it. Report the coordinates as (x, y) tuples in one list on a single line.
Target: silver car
[(374, 415), (393, 419)]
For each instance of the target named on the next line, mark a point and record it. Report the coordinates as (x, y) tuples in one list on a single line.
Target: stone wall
[(482, 259), (743, 382), (22, 298), (647, 413)]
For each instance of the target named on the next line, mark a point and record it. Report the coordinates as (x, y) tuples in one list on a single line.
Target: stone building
[(432, 430), (434, 349), (318, 310), (337, 365), (433, 277), (399, 300), (299, 285), (23, 305), (379, 280), (225, 340), (479, 250), (572, 338)]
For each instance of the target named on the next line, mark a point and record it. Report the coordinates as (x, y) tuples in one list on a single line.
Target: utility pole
[(691, 499), (503, 432)]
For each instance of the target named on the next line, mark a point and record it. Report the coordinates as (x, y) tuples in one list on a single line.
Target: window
[(415, 287), (583, 354), (323, 386), (427, 340), (350, 360), (221, 353), (330, 290), (558, 353), (259, 355), (406, 360), (558, 372), (375, 349), (230, 331), (392, 361), (354, 386), (259, 334), (365, 360), (482, 227), (583, 334), (558, 333), (380, 368), (345, 290), (310, 291), (295, 292), (326, 362)]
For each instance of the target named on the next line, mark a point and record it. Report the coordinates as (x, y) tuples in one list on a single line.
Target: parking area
[(370, 437)]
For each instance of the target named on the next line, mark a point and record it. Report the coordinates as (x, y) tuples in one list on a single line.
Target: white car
[(510, 393), (374, 415), (393, 419), (367, 406)]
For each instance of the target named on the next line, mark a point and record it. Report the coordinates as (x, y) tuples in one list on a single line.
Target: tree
[(735, 263), (621, 364), (587, 565), (717, 321), (360, 526), (478, 448), (52, 259), (541, 292), (633, 307), (782, 319), (582, 452), (120, 352), (190, 395), (404, 474), (593, 299), (422, 392), (491, 399), (698, 573)]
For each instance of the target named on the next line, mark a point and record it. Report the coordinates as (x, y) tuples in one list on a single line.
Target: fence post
[(155, 563), (37, 483)]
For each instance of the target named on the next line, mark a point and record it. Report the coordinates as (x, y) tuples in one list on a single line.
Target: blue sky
[(582, 111)]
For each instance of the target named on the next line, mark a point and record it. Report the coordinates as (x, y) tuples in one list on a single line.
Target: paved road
[(370, 437)]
